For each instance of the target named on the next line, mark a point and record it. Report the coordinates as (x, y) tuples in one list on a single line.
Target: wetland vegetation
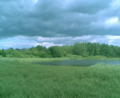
[(26, 80)]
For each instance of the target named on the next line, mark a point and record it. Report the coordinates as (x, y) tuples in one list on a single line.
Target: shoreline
[(58, 59)]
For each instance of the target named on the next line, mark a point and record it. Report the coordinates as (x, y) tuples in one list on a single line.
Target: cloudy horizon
[(28, 23)]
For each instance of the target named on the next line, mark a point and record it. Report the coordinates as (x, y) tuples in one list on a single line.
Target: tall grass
[(22, 80), (68, 57), (33, 59)]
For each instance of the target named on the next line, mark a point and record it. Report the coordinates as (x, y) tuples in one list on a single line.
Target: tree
[(35, 53), (40, 48), (43, 54), (90, 49), (0, 52), (103, 49), (3, 53), (16, 54), (55, 51), (79, 48), (96, 49), (67, 48)]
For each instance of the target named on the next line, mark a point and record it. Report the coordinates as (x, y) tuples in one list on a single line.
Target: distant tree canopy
[(55, 51), (82, 49)]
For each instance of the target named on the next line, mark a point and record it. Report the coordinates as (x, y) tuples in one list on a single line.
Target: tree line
[(82, 49)]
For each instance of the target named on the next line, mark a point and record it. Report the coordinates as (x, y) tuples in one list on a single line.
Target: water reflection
[(79, 62)]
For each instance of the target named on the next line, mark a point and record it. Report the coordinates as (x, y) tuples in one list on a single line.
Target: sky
[(28, 23)]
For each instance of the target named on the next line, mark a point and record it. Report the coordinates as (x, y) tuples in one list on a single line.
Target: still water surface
[(79, 62)]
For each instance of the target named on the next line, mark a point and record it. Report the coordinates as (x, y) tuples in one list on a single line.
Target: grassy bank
[(69, 57), (90, 57), (32, 59), (22, 80)]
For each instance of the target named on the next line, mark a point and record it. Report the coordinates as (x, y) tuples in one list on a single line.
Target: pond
[(79, 62)]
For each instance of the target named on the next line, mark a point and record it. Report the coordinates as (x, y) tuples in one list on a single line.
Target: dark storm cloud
[(52, 18), (88, 7)]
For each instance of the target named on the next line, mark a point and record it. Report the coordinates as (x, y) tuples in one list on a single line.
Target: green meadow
[(68, 57), (19, 79)]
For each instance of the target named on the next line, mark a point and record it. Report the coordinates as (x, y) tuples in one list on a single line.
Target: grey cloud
[(89, 7), (72, 40), (51, 18)]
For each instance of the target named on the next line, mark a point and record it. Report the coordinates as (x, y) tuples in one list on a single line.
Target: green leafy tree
[(10, 51), (55, 51), (79, 48), (67, 48), (83, 49), (96, 49), (0, 52), (40, 48), (90, 49), (35, 53), (3, 53), (103, 49), (43, 54), (17, 54)]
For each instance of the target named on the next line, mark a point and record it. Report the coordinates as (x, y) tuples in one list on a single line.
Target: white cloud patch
[(113, 40), (115, 4), (20, 45), (48, 44), (113, 37), (35, 1), (112, 22), (27, 42)]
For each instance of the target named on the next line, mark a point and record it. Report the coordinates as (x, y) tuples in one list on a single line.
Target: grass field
[(32, 59), (69, 57), (25, 80)]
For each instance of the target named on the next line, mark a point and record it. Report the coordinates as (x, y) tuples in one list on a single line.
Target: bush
[(84, 54), (64, 53)]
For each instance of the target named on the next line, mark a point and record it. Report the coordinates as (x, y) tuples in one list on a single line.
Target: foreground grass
[(22, 80)]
